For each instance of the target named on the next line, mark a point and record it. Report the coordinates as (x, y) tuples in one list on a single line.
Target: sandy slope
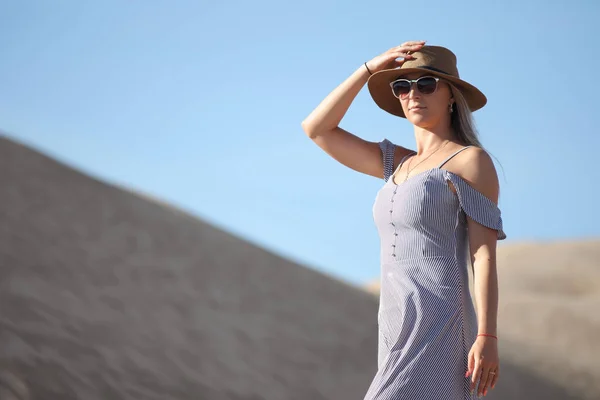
[(108, 295)]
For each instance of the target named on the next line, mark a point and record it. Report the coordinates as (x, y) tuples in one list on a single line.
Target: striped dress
[(427, 321)]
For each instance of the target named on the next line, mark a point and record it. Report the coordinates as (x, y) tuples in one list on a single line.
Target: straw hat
[(435, 60)]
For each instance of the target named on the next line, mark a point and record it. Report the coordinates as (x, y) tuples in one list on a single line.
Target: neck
[(430, 139)]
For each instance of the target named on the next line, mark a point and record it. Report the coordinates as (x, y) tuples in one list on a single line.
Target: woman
[(437, 207)]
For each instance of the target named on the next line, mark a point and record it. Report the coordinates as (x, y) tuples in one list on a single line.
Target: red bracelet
[(485, 334)]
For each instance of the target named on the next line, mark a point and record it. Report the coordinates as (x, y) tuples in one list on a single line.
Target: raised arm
[(322, 124)]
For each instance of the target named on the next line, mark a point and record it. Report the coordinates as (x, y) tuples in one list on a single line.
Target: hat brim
[(379, 88)]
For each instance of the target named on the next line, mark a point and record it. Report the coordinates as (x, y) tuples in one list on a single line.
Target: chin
[(422, 121)]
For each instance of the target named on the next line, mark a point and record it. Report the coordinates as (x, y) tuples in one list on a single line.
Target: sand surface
[(106, 294)]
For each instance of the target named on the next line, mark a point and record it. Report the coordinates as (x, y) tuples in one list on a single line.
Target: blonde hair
[(461, 120), (462, 123)]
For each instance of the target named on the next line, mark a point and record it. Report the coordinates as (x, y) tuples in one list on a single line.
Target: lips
[(417, 108)]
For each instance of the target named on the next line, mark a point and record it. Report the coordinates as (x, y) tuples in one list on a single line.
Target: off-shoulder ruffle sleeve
[(476, 205), (387, 153)]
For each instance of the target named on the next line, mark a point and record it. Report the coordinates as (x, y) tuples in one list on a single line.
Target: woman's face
[(427, 110)]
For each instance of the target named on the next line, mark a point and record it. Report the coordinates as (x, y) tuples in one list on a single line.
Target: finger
[(491, 377), (476, 373), (471, 364), (495, 378), (402, 54), (414, 47), (407, 47), (400, 51), (413, 43), (488, 385), (485, 378)]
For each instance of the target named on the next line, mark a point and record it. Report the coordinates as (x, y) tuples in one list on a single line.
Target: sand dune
[(109, 295)]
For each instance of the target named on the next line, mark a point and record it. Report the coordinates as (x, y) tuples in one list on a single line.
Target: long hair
[(461, 120)]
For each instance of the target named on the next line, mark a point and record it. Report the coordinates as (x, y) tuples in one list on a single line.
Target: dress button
[(394, 254), (391, 211), (392, 224), (395, 234)]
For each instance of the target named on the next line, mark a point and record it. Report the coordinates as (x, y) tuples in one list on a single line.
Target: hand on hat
[(389, 59)]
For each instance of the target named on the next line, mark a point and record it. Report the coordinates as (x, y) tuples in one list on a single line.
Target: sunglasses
[(425, 85)]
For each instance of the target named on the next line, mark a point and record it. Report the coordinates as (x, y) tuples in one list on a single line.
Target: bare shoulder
[(476, 167)]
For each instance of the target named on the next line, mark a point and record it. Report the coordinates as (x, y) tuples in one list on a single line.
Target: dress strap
[(402, 162), (452, 155)]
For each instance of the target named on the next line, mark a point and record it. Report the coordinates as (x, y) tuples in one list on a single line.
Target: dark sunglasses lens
[(401, 88), (426, 85)]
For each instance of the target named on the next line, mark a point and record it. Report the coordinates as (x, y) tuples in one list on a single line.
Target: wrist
[(487, 335), (369, 70)]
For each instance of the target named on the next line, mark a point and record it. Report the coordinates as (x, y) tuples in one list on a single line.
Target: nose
[(413, 92)]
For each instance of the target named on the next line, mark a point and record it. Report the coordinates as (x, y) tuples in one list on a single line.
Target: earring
[(451, 108)]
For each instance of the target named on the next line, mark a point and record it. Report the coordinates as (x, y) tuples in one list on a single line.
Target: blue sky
[(200, 104)]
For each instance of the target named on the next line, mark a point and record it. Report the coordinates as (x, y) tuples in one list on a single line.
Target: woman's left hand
[(483, 363)]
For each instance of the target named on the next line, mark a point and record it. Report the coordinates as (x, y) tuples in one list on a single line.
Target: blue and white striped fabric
[(427, 321)]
